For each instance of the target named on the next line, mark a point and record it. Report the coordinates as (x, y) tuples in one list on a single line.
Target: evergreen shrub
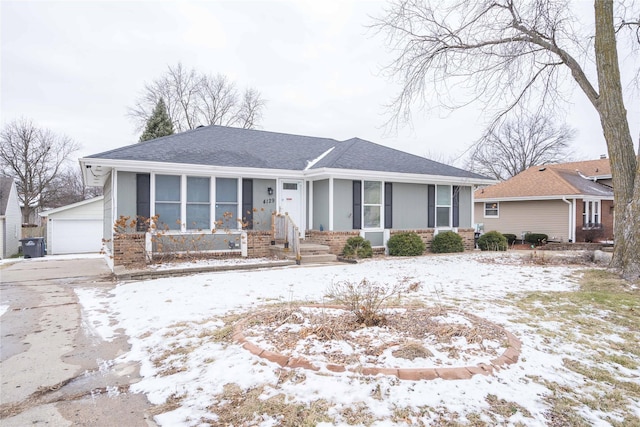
[(511, 238), (447, 242), (357, 247), (406, 244), (492, 241), (536, 238)]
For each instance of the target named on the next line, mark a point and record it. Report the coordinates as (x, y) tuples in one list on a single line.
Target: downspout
[(571, 216)]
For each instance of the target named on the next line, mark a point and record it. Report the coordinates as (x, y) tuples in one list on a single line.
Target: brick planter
[(508, 357), (129, 250)]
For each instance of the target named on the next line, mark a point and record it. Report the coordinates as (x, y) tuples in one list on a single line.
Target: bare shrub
[(365, 299)]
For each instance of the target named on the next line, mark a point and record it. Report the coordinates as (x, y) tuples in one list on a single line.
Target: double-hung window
[(491, 210), (372, 206), (168, 206), (443, 206), (591, 213), (227, 204), (198, 203)]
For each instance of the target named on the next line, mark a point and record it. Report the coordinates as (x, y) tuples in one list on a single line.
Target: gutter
[(570, 235)]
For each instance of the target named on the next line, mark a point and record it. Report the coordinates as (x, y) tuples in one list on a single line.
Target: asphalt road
[(52, 371)]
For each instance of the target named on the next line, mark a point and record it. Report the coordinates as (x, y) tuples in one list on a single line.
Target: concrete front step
[(309, 253), (317, 259)]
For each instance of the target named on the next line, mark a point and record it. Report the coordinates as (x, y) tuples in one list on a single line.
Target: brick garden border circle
[(508, 357)]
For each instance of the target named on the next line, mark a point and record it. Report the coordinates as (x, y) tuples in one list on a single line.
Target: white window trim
[(497, 209), (590, 214), (379, 205), (185, 227), (183, 201), (450, 206)]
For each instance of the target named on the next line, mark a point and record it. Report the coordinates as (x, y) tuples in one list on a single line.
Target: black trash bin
[(33, 247)]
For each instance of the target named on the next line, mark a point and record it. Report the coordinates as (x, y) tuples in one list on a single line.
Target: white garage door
[(75, 236)]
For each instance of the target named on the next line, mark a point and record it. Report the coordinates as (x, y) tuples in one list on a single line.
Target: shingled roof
[(565, 179), (235, 147), (5, 189)]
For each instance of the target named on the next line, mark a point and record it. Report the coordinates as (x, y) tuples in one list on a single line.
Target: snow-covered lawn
[(178, 330)]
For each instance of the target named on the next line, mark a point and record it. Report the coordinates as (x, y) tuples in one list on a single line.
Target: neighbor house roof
[(235, 147), (5, 189), (71, 206), (557, 180)]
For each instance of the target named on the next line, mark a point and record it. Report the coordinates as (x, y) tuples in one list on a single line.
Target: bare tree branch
[(194, 99), (33, 156), (507, 54), (519, 143)]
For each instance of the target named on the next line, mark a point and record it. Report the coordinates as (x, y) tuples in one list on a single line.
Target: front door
[(291, 201)]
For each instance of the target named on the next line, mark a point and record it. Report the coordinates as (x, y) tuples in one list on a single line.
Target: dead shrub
[(412, 350), (366, 299)]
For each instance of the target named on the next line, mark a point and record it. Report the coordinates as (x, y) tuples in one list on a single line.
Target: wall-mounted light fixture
[(270, 191)]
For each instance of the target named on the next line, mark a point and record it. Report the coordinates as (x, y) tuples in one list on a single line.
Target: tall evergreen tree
[(158, 124)]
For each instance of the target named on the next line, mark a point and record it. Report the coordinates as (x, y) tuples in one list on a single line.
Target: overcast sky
[(75, 67)]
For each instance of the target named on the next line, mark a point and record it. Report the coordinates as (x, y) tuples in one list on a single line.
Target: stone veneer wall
[(334, 239), (129, 250), (258, 243)]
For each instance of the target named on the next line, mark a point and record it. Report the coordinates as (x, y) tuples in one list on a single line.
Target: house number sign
[(268, 201)]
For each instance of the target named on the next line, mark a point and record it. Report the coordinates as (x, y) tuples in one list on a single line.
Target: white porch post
[(114, 201), (310, 206), (183, 203), (331, 204)]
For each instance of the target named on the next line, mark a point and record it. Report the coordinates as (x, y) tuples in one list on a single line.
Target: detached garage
[(75, 228)]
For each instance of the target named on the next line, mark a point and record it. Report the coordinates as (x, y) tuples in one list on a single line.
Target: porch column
[(310, 207), (331, 204)]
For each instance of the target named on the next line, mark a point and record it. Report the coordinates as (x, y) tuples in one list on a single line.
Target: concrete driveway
[(51, 371)]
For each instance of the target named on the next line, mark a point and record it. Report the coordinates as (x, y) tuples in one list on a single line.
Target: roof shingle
[(235, 147), (564, 179)]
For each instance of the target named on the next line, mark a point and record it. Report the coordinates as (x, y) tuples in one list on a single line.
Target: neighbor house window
[(198, 203), (591, 213), (443, 206), (227, 203), (491, 210), (168, 202), (372, 206)]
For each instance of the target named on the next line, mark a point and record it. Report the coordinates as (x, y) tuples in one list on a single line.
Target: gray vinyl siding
[(409, 207), (126, 195), (321, 204), (465, 207), (342, 205), (550, 217), (263, 203), (107, 230)]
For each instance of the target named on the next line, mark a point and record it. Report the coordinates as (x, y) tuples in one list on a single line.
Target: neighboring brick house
[(217, 187), (570, 202)]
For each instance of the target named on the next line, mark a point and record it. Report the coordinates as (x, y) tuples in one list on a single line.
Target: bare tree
[(507, 53), (194, 99), (68, 187), (250, 111), (33, 156), (516, 144)]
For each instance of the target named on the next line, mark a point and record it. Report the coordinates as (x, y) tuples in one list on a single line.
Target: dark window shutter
[(247, 204), (456, 206), (431, 206), (357, 205), (143, 200), (388, 196)]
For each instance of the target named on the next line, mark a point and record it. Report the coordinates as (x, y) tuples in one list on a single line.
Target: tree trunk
[(625, 164)]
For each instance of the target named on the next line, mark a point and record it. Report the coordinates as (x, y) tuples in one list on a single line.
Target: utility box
[(33, 247)]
